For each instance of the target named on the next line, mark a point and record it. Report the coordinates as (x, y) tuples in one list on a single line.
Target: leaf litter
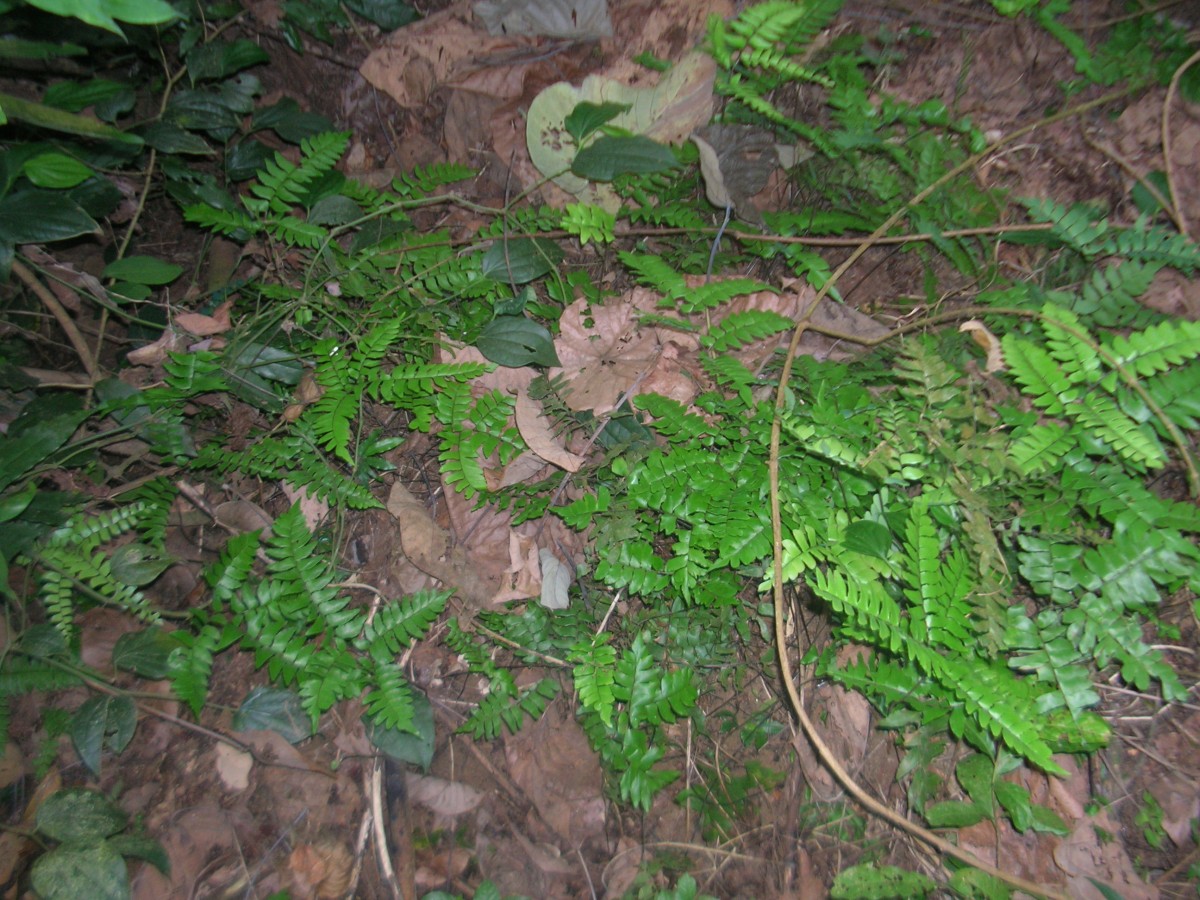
[(214, 815)]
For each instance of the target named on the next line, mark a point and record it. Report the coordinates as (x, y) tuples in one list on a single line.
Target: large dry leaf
[(668, 111), (605, 355), (442, 49), (536, 430), (576, 19), (443, 798)]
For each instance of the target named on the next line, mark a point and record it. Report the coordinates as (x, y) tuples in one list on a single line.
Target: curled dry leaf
[(536, 431), (988, 341)]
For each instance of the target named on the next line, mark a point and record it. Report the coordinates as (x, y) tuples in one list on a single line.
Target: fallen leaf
[(442, 797), (535, 429), (206, 326), (233, 765), (985, 339)]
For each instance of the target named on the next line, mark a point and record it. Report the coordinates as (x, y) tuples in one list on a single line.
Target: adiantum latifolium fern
[(304, 629)]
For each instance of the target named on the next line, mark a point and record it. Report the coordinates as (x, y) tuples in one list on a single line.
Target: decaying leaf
[(667, 112), (606, 354), (442, 797), (537, 433), (988, 341)]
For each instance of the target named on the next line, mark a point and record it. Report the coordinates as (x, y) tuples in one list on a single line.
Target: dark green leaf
[(96, 872), (520, 260), (44, 116), (335, 210), (37, 217), (416, 747), (167, 137), (1014, 800), (516, 341), (109, 99), (80, 816), (869, 538), (274, 709), (953, 814), (33, 442), (220, 59), (143, 848), (17, 48), (290, 122), (202, 111), (587, 117), (12, 505), (137, 564), (387, 14), (102, 720), (244, 160), (612, 156), (143, 270), (145, 653)]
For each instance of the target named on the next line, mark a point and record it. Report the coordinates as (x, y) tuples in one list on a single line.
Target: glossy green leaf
[(414, 747), (56, 171), (146, 653), (79, 816), (520, 260), (96, 872), (387, 14), (143, 270), (220, 59), (42, 116), (587, 117), (106, 13), (609, 157), (37, 216), (516, 341), (18, 48), (138, 564), (102, 721), (12, 505), (274, 709), (109, 99), (868, 537)]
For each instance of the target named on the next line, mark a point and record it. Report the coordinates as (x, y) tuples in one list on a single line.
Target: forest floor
[(529, 811)]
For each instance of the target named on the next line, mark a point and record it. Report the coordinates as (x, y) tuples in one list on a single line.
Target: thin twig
[(65, 322)]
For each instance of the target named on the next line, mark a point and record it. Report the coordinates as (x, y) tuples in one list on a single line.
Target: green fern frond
[(283, 184), (595, 676), (222, 221), (739, 329), (307, 578), (1156, 349), (399, 623), (389, 702), (424, 180)]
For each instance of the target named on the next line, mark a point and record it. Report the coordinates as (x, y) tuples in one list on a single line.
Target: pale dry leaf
[(528, 466), (442, 797), (577, 19), (314, 509), (537, 433), (556, 581), (241, 516), (605, 355), (156, 353), (206, 326), (988, 341), (440, 49), (233, 766)]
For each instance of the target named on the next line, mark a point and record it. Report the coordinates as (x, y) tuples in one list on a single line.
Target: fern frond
[(1156, 349), (399, 623), (389, 702), (283, 185)]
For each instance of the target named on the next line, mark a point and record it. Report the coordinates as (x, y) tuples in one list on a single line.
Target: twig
[(1172, 88), (65, 322)]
